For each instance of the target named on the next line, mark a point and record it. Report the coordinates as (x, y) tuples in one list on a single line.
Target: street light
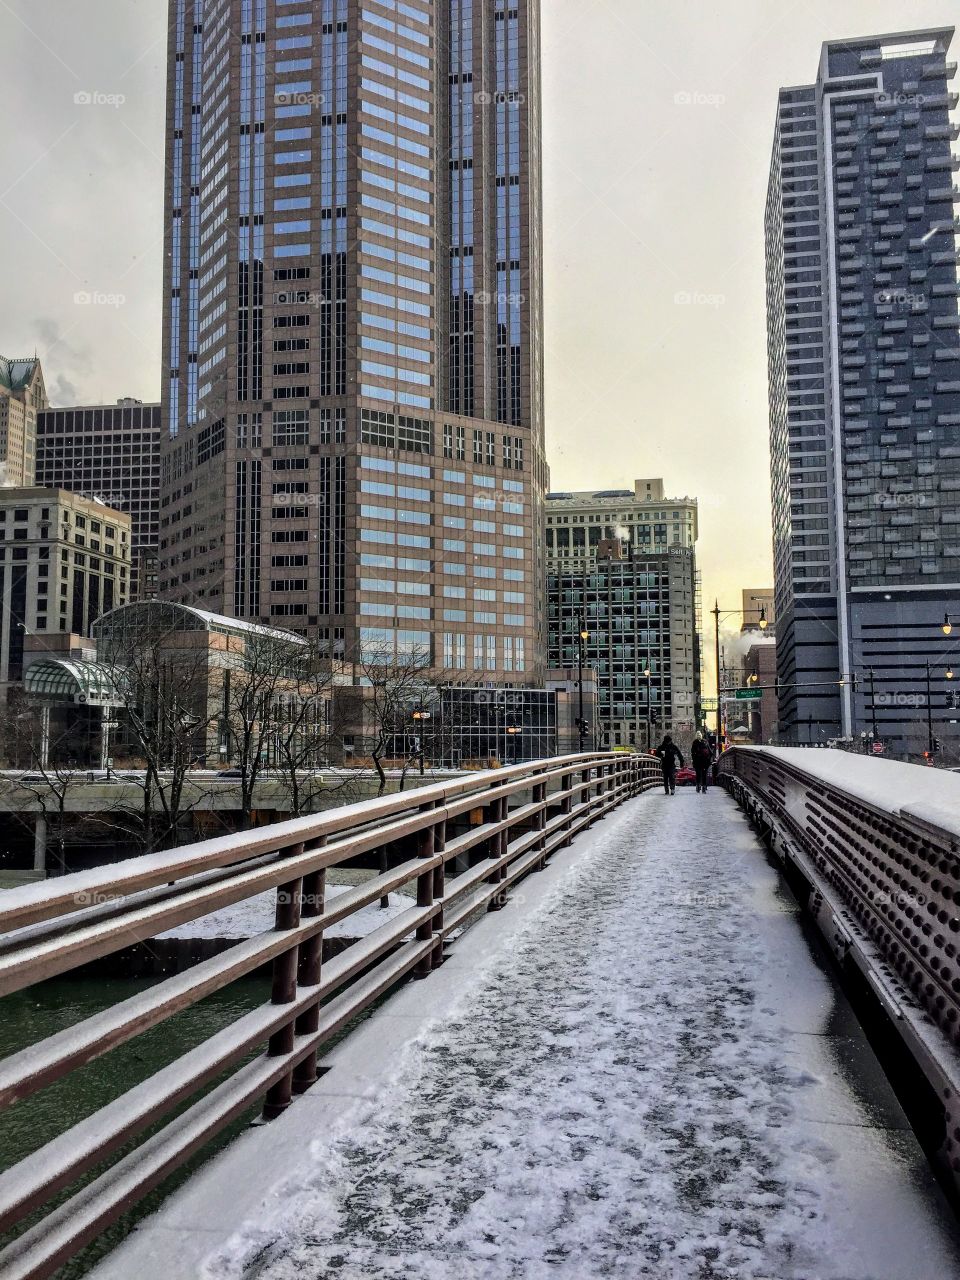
[(421, 716), (717, 615), (948, 619), (582, 638), (931, 742), (648, 674)]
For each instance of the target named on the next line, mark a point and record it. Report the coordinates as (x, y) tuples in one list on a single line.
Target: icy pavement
[(652, 1077)]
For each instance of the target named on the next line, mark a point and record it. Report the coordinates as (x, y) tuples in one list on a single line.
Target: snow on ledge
[(909, 790), (253, 916)]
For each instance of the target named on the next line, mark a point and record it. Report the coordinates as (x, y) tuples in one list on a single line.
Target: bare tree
[(50, 778), (306, 731), (272, 686), (165, 716)]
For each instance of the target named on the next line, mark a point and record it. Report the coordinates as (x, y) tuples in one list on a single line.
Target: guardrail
[(878, 844), (494, 828)]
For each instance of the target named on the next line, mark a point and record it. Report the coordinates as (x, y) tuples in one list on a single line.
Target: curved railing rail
[(463, 842), (879, 844)]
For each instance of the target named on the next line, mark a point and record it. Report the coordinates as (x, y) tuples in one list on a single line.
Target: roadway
[(637, 1069)]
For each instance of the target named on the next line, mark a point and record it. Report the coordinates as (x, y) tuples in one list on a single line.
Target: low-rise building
[(64, 560)]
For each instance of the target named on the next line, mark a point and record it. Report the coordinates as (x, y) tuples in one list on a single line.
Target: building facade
[(112, 453), (621, 567), (22, 397), (864, 378), (352, 420), (64, 560)]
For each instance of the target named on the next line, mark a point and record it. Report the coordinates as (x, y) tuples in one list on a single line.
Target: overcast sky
[(657, 127)]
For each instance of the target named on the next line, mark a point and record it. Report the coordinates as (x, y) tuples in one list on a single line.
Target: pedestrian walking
[(669, 754), (701, 757)]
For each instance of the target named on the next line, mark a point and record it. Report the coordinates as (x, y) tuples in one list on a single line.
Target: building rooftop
[(188, 614), (15, 374), (646, 491), (40, 493)]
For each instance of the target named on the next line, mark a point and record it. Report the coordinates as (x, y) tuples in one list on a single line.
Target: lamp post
[(421, 717), (582, 637), (728, 613), (873, 703), (930, 738), (648, 673)]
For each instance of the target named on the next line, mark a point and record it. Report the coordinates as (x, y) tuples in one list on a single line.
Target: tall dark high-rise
[(109, 452), (352, 400), (864, 374)]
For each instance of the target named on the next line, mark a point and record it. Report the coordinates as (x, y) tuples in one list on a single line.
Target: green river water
[(38, 1012)]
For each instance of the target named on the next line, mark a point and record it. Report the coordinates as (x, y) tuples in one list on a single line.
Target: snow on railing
[(878, 844), (463, 843)]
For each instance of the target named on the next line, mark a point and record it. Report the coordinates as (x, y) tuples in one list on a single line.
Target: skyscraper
[(110, 452), (22, 397), (352, 401), (864, 377)]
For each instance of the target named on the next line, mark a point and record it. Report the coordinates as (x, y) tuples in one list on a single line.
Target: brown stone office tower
[(352, 400)]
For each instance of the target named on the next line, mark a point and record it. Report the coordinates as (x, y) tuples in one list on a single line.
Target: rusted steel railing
[(877, 843), (463, 844)]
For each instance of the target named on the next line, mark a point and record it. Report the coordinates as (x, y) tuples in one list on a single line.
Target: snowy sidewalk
[(651, 1077)]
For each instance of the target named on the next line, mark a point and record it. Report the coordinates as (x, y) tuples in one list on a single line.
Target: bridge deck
[(645, 1074)]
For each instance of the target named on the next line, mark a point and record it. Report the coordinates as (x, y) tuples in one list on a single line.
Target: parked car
[(686, 777)]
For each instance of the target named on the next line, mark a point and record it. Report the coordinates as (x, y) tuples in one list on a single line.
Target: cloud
[(64, 363)]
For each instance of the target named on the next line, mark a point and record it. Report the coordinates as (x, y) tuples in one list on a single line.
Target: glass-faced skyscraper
[(864, 378), (353, 404)]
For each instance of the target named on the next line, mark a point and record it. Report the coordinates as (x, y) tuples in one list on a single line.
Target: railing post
[(566, 808), (585, 796), (284, 991), (540, 797), (496, 846), (308, 971), (425, 839), (439, 888)]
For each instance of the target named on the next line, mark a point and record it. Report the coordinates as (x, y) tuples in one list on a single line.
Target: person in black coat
[(669, 754), (701, 757)]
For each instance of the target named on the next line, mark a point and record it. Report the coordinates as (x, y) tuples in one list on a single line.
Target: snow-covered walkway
[(652, 1078)]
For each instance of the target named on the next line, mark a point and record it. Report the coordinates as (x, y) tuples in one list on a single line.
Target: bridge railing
[(878, 842), (462, 843)]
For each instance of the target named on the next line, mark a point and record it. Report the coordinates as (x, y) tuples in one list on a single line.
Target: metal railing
[(463, 843), (884, 879)]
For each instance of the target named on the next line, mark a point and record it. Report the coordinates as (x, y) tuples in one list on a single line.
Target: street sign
[(878, 748), (747, 695)]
